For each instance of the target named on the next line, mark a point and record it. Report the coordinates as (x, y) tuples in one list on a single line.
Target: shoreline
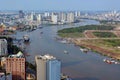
[(97, 49)]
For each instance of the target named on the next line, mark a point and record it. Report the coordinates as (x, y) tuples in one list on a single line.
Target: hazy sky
[(59, 5)]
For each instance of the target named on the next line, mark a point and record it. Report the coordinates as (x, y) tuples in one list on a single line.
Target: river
[(76, 64)]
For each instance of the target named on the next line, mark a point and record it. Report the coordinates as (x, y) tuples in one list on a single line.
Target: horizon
[(45, 5)]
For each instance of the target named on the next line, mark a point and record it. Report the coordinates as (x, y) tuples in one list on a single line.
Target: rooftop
[(46, 57), (18, 55)]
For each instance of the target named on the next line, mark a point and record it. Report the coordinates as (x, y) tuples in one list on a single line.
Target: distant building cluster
[(48, 17), (36, 18), (106, 16)]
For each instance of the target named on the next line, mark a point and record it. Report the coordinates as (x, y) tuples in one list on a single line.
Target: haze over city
[(82, 5)]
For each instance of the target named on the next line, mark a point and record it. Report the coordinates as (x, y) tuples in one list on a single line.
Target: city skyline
[(93, 5)]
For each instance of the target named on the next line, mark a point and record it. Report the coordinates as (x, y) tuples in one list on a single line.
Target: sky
[(93, 5)]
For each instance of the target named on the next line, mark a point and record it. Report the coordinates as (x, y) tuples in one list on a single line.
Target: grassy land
[(87, 27), (78, 31), (71, 35), (104, 34), (107, 45), (113, 43)]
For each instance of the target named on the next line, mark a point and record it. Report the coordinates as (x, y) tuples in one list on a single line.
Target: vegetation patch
[(87, 27), (104, 34), (71, 35), (114, 43)]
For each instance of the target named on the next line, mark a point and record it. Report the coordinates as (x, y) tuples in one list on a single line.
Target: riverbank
[(106, 41), (104, 47)]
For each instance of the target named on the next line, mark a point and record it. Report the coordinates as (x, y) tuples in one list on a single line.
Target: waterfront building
[(70, 17), (3, 47), (15, 64), (62, 17), (48, 68), (54, 18)]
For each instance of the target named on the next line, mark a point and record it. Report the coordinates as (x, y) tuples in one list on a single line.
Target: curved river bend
[(76, 64)]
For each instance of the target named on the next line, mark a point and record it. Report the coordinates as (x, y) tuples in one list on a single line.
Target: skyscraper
[(77, 14), (3, 47), (54, 18), (15, 64), (21, 14), (62, 17), (70, 17), (48, 68)]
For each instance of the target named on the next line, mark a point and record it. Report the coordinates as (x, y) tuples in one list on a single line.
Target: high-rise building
[(46, 14), (3, 47), (29, 17), (15, 64), (37, 17), (48, 68), (54, 18), (77, 14), (21, 14), (62, 17), (70, 17)]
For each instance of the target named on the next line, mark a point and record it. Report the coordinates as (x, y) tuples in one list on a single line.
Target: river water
[(76, 64)]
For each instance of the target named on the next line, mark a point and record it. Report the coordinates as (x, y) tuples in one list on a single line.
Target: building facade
[(48, 68), (15, 64), (70, 17), (54, 18)]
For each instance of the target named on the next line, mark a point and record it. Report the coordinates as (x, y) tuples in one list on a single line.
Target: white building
[(48, 68), (62, 17), (77, 14), (54, 18), (70, 17), (3, 47), (38, 16), (46, 14)]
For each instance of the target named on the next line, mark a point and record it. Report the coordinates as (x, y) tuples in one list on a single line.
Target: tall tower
[(48, 68), (62, 17), (15, 64), (21, 14), (70, 17), (3, 47), (54, 18)]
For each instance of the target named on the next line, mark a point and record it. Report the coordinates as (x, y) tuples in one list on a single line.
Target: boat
[(107, 61), (65, 52), (26, 38), (84, 50), (111, 61), (64, 41)]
